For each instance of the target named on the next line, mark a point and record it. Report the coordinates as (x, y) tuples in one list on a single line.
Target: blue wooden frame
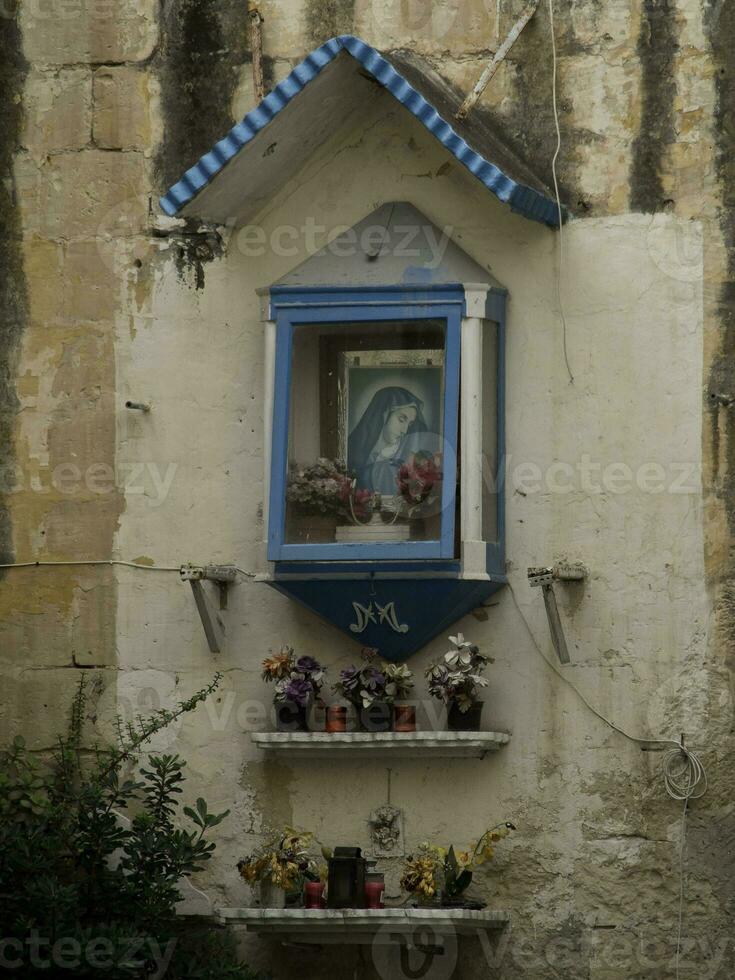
[(292, 307)]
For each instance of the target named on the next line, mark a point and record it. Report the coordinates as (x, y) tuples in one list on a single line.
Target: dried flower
[(283, 859), (439, 869), (278, 666), (299, 679)]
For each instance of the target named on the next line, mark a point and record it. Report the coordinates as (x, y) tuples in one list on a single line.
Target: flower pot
[(272, 896), (404, 718), (291, 717), (336, 718), (314, 895), (464, 721), (377, 718)]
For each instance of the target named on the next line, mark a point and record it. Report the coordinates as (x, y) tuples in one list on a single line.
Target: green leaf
[(463, 881), (214, 819), (193, 815)]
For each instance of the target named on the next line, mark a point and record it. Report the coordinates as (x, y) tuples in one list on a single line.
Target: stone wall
[(103, 103)]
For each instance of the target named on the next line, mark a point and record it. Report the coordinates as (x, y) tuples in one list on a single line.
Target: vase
[(377, 717), (404, 718), (291, 717), (336, 718), (464, 721), (272, 896)]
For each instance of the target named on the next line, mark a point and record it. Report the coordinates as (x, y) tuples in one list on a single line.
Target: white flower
[(459, 641)]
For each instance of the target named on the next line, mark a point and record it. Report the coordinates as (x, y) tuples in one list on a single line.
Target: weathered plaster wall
[(106, 304)]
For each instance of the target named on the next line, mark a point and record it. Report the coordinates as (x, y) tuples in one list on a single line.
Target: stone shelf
[(386, 745), (414, 927)]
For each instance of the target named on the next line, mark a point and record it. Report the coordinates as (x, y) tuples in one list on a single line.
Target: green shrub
[(86, 894)]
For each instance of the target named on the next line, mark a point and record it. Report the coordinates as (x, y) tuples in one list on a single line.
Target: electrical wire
[(554, 160), (99, 561), (684, 774), (110, 561), (685, 781)]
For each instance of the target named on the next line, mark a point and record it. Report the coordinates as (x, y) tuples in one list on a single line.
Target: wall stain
[(328, 18), (13, 292), (657, 47), (193, 247), (203, 48), (526, 126)]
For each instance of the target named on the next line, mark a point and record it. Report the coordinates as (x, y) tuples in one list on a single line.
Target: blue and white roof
[(243, 170)]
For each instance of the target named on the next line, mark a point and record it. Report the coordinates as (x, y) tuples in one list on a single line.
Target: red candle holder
[(314, 895), (374, 891)]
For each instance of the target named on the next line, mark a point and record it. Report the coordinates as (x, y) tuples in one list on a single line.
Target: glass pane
[(490, 431), (366, 440)]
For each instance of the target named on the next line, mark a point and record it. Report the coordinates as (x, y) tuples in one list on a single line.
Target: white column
[(474, 564)]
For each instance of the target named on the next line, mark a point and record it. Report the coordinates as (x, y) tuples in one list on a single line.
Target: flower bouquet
[(327, 489), (298, 682), (281, 866), (441, 875), (456, 680), (374, 689), (419, 483)]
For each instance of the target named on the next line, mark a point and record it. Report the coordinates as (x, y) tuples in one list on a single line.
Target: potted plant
[(399, 682), (373, 689), (281, 866), (456, 680), (298, 682), (440, 875), (323, 494)]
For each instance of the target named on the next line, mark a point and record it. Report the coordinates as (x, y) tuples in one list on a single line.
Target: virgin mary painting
[(390, 431)]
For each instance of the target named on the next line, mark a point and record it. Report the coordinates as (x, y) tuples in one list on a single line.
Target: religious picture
[(391, 414)]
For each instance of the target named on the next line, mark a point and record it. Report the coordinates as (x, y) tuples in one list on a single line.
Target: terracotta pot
[(465, 721), (404, 718), (336, 718)]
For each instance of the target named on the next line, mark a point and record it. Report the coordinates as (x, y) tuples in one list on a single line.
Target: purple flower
[(298, 691), (350, 678), (373, 679), (307, 665)]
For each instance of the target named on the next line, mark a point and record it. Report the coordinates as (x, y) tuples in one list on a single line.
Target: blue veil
[(366, 433)]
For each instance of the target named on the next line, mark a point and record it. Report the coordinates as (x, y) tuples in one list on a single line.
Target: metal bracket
[(484, 80), (544, 578), (224, 576)]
